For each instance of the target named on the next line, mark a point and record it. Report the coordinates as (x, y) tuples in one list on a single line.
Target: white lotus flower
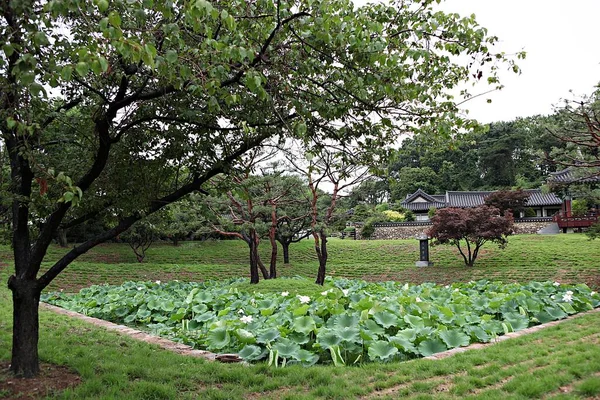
[(240, 311), (569, 292), (556, 284), (246, 319), (324, 293), (456, 290), (418, 300), (592, 293), (345, 291), (553, 297), (567, 298), (447, 286), (285, 294), (157, 282), (304, 299)]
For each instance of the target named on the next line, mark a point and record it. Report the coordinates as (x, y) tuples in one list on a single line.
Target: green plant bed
[(348, 322), (296, 286)]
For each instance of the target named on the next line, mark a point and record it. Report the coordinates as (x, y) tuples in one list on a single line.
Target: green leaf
[(114, 19), (348, 334), (218, 338), (102, 5), (306, 358), (8, 49), (431, 346), (304, 324), (268, 336), (414, 321), (454, 338), (286, 348), (251, 353), (82, 68), (245, 336), (346, 321), (171, 56), (386, 319), (328, 338), (381, 350)]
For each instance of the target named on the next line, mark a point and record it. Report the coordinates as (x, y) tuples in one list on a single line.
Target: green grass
[(557, 362), (566, 258)]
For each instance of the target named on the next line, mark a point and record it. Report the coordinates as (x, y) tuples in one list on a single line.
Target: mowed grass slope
[(565, 258), (556, 363)]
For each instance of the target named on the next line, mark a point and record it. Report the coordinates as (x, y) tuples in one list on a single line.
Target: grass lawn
[(558, 362), (564, 258)]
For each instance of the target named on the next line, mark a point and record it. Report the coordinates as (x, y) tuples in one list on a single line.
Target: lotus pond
[(348, 322)]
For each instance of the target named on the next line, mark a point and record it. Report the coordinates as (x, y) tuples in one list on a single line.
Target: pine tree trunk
[(322, 260), (254, 278), (286, 252), (26, 299)]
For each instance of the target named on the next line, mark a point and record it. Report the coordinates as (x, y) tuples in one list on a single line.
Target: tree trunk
[(273, 262), (286, 252), (322, 259), (26, 299), (62, 238), (254, 260)]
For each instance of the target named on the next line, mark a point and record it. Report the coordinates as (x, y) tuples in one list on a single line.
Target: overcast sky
[(563, 52)]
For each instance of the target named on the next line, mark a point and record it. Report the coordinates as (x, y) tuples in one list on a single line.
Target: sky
[(560, 38)]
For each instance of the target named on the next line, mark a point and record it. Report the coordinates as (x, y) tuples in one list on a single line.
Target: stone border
[(511, 335), (186, 350), (166, 344)]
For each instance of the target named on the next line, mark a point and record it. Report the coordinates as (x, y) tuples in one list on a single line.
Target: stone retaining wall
[(410, 232)]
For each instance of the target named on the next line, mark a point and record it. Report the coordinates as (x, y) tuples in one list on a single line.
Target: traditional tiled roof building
[(544, 204)]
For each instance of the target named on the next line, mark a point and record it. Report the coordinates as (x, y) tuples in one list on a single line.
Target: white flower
[(418, 300), (556, 284), (140, 288), (324, 293), (240, 311), (567, 298), (345, 291), (447, 286), (386, 298), (285, 294), (157, 282), (553, 297), (570, 293), (456, 290), (592, 293), (246, 319), (304, 299), (253, 302)]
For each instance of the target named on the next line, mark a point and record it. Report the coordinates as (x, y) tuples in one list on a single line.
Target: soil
[(52, 379)]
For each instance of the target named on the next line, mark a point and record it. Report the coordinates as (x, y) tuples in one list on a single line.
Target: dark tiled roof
[(474, 199), (571, 175), (419, 193), (423, 206), (537, 198), (466, 199)]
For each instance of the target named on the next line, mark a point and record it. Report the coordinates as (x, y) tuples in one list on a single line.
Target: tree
[(475, 226), (579, 128), (140, 237), (514, 201), (172, 93), (289, 213), (409, 180)]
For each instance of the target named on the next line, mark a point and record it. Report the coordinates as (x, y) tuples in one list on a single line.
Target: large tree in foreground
[(124, 107), (470, 228)]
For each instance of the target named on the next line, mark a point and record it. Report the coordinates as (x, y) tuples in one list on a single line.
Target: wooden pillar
[(567, 206)]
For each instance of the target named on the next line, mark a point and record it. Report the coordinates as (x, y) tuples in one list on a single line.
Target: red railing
[(583, 221)]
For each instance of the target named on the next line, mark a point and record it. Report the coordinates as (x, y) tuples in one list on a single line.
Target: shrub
[(393, 216), (530, 212), (579, 207), (409, 216), (474, 226)]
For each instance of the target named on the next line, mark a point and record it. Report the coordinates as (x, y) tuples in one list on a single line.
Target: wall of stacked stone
[(393, 231)]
